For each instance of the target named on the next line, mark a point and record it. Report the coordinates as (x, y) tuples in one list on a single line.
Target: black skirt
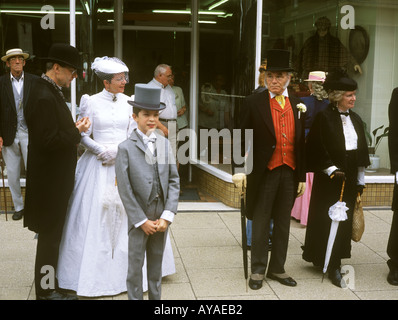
[(325, 193)]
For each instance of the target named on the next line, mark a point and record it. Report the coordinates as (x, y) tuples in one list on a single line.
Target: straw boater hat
[(316, 76), (14, 52), (147, 97)]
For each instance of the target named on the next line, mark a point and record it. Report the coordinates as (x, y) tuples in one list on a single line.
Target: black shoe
[(285, 281), (255, 284), (392, 277), (17, 215), (336, 278), (55, 295)]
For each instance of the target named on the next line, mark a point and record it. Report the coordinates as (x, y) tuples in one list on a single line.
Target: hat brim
[(276, 69), (49, 59), (6, 57), (146, 106), (341, 85)]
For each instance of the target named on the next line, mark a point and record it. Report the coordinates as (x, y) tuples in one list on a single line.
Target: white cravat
[(149, 141)]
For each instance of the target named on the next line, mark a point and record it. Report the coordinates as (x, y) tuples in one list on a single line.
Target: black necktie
[(344, 114)]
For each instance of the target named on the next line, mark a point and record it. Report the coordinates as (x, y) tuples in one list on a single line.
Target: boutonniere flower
[(301, 108)]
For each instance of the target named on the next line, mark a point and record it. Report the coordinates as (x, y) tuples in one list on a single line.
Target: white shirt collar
[(285, 93), (12, 77), (158, 83), (145, 137)]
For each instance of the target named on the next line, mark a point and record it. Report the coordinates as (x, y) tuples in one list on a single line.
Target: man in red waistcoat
[(278, 174)]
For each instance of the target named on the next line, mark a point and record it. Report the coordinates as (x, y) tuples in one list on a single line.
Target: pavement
[(206, 240)]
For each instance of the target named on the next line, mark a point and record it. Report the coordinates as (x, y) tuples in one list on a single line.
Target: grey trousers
[(153, 246)]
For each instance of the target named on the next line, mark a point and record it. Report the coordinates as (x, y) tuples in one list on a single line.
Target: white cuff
[(330, 170), (168, 215), (139, 224), (361, 176)]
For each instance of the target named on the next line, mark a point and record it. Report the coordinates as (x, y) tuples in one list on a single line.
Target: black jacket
[(326, 143), (393, 141), (256, 115), (8, 110), (52, 157)]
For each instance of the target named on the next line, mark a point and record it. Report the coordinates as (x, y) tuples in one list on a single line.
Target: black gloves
[(360, 189), (338, 174)]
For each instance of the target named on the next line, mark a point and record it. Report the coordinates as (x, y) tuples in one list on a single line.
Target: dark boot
[(335, 276)]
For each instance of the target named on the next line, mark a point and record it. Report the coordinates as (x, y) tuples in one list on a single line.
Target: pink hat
[(316, 76)]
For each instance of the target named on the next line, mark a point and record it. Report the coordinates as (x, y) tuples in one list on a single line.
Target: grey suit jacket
[(134, 173)]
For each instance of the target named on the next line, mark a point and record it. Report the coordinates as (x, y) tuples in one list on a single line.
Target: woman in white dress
[(94, 248)]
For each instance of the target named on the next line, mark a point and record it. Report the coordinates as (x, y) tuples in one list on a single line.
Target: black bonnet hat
[(64, 54), (339, 80), (278, 60), (147, 97)]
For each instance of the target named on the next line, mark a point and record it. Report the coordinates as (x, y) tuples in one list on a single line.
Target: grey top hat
[(147, 97)]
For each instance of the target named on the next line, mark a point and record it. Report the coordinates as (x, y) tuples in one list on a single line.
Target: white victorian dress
[(93, 257)]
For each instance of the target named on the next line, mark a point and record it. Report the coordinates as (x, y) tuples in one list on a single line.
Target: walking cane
[(244, 235), (243, 228), (4, 186)]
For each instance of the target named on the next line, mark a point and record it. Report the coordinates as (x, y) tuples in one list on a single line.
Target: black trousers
[(275, 200), (392, 246), (47, 259)]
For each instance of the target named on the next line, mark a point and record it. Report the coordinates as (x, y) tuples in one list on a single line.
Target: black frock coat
[(325, 147), (52, 157), (256, 115), (392, 247)]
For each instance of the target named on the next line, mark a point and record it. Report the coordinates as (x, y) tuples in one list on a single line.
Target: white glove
[(239, 180), (108, 157), (300, 189), (92, 145)]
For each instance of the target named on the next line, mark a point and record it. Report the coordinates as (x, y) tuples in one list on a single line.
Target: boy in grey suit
[(149, 186)]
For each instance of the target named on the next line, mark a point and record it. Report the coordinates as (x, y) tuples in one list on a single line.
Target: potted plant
[(373, 144)]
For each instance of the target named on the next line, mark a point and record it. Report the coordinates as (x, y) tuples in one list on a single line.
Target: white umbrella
[(337, 212)]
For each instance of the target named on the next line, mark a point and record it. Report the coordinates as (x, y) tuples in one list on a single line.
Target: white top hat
[(316, 76), (14, 52)]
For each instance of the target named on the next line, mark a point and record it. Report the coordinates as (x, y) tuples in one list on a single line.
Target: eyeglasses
[(72, 71), (12, 59)]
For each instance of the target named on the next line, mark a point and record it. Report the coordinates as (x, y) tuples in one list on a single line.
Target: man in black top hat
[(278, 174), (52, 156)]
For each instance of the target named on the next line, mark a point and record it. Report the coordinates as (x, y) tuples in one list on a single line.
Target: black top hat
[(147, 97), (64, 54), (339, 80), (278, 60)]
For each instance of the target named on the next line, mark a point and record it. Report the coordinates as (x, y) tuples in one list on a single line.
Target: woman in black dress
[(336, 150)]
